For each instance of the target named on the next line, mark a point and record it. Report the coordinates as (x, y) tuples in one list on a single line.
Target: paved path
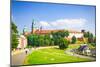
[(18, 59)]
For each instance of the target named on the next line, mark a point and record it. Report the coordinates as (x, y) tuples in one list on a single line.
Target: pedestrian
[(26, 51)]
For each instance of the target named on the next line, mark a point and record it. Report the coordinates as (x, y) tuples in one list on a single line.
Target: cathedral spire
[(32, 28), (25, 30)]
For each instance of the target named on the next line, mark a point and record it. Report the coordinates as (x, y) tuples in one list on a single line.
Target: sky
[(53, 16)]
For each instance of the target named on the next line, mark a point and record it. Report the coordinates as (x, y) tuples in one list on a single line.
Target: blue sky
[(53, 16)]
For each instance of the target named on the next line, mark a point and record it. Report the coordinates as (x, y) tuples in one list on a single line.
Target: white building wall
[(22, 41), (77, 35)]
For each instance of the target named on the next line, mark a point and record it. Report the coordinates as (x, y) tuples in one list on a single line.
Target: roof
[(43, 31), (50, 31)]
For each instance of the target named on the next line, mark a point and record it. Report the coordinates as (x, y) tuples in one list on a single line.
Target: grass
[(51, 55), (73, 46)]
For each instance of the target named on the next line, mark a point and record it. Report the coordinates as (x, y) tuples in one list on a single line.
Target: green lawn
[(51, 55)]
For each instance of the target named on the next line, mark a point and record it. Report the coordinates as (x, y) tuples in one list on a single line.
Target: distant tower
[(83, 31), (32, 28), (25, 30), (40, 28)]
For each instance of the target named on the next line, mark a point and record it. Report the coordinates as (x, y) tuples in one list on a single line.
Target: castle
[(41, 31)]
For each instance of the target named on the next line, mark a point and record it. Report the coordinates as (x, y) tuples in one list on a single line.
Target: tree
[(47, 39), (73, 40), (94, 40), (63, 43), (86, 34), (14, 41), (14, 28), (14, 33), (60, 34), (35, 40), (90, 38), (41, 40), (59, 40), (30, 40)]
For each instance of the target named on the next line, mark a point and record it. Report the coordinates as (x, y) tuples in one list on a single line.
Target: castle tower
[(40, 28), (25, 30), (33, 27), (83, 31)]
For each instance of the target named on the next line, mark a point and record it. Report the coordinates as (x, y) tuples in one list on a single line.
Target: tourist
[(26, 50)]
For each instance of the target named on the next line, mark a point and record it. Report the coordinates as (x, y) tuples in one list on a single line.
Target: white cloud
[(65, 23), (74, 22), (44, 23)]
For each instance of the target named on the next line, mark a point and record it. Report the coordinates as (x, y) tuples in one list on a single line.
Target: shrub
[(29, 46), (73, 40), (93, 44), (63, 43)]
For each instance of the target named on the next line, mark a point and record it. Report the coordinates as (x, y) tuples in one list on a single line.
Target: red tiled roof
[(50, 31), (45, 31)]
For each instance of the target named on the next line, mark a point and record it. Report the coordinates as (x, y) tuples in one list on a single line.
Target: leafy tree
[(73, 39), (30, 40), (93, 44), (94, 40), (41, 40), (35, 40), (60, 34), (38, 40), (46, 40), (63, 43), (58, 38), (86, 34), (14, 28), (14, 39), (90, 38)]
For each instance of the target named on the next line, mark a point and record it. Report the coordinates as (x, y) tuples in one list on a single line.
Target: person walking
[(26, 50)]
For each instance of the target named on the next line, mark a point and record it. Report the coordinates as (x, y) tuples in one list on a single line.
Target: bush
[(28, 46), (93, 44), (73, 40), (63, 43)]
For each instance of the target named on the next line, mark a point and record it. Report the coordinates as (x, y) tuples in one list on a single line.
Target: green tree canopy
[(89, 36), (63, 43), (14, 32), (14, 27), (58, 38), (73, 39), (60, 34)]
